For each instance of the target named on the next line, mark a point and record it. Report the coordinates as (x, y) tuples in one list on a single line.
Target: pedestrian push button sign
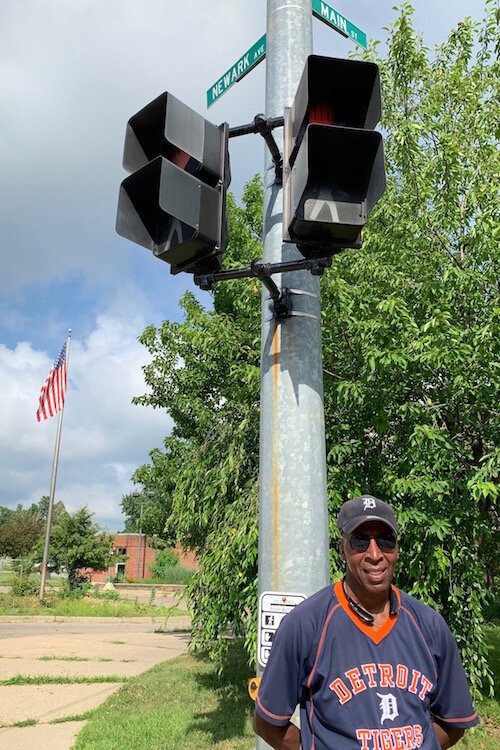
[(273, 607)]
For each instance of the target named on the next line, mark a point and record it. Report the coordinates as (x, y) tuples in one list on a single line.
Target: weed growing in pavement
[(25, 723), (63, 658), (85, 716), (45, 679)]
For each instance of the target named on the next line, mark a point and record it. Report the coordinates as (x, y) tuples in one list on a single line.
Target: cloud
[(104, 437), (71, 75)]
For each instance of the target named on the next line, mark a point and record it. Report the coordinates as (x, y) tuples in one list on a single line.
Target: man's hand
[(281, 738), (447, 736)]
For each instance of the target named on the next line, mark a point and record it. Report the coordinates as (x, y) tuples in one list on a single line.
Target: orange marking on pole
[(275, 459)]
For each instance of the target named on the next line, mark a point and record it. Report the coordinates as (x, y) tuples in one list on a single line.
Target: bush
[(176, 574), (165, 559), (25, 586), (109, 596), (78, 591)]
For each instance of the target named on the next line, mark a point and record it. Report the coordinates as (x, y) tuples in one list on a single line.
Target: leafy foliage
[(413, 323), (410, 352), (21, 530), (77, 543), (24, 585)]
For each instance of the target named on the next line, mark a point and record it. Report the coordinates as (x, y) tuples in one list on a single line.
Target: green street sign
[(333, 19), (240, 68), (257, 53)]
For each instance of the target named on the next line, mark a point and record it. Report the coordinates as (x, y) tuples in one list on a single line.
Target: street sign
[(257, 53), (238, 71), (273, 607), (336, 21)]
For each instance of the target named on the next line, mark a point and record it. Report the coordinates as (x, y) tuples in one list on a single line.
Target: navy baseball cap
[(365, 508)]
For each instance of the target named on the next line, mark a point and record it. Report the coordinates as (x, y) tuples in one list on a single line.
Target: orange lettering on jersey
[(354, 678), (386, 676), (385, 736), (426, 686), (398, 739), (419, 737), (409, 737), (363, 735), (415, 678), (369, 670), (341, 691), (376, 739), (402, 676)]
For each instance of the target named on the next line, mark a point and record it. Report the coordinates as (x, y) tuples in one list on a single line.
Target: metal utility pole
[(140, 537), (293, 514), (43, 571)]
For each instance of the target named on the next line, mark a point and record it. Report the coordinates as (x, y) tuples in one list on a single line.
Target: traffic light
[(333, 159), (174, 201)]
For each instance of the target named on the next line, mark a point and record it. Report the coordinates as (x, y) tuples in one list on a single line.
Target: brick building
[(130, 552)]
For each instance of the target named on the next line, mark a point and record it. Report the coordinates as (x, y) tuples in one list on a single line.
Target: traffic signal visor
[(334, 163), (173, 203)]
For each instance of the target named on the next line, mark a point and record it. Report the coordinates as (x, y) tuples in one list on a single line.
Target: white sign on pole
[(273, 607)]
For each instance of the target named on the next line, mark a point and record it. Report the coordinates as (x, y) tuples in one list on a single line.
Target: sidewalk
[(86, 647)]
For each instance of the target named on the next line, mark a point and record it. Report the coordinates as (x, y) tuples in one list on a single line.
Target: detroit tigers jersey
[(361, 689)]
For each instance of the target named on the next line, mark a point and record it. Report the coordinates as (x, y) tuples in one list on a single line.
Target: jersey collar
[(375, 635)]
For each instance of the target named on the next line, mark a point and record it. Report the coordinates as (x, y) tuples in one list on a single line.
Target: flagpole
[(52, 487)]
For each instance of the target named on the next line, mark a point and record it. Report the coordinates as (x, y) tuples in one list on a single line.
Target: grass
[(86, 607), (63, 658), (487, 735), (25, 723), (45, 679), (7, 577), (74, 717), (61, 720), (180, 704), (176, 574)]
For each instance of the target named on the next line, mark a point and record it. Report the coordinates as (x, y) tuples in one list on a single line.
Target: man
[(371, 667)]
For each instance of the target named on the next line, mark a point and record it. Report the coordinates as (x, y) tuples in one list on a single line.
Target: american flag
[(53, 390)]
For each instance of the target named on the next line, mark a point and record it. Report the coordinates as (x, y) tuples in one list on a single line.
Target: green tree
[(154, 515), (21, 530), (20, 535), (410, 353), (41, 509), (76, 543), (412, 344)]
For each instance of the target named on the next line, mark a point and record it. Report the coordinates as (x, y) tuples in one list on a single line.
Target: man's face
[(370, 571)]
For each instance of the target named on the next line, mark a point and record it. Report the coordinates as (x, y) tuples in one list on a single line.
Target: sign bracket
[(264, 126), (263, 271)]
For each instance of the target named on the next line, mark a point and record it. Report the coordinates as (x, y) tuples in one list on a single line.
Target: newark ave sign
[(257, 53), (240, 68)]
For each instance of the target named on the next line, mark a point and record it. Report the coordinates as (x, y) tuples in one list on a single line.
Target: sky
[(71, 75)]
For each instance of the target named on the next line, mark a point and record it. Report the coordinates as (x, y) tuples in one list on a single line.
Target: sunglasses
[(361, 542)]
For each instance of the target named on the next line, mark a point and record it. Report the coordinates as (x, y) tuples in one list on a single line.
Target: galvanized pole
[(43, 571), (140, 536), (293, 515)]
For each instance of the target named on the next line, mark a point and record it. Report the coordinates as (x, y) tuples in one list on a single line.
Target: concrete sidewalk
[(70, 646)]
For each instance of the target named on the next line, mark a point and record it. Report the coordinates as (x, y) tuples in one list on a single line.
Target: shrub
[(25, 586), (165, 559)]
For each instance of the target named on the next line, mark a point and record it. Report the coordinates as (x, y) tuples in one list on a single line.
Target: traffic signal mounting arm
[(264, 126)]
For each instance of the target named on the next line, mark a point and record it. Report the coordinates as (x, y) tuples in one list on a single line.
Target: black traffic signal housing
[(174, 202), (333, 161)]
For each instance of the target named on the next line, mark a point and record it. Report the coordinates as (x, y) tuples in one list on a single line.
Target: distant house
[(135, 557)]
